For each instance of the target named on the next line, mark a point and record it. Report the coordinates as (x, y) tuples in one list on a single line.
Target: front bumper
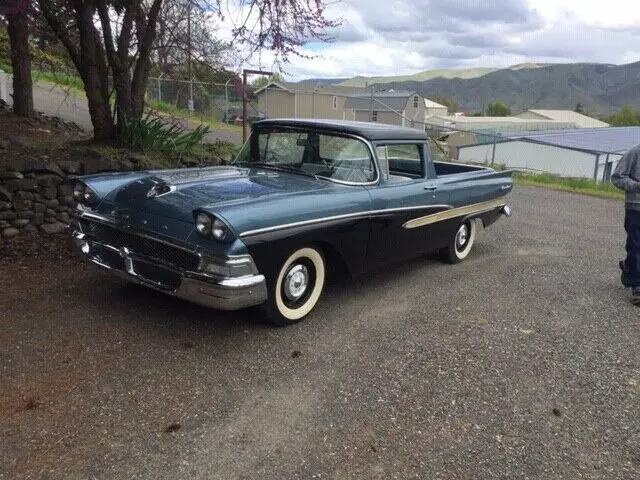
[(212, 291)]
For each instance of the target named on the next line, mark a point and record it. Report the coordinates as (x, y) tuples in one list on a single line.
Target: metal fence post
[(3, 87), (226, 98), (191, 95)]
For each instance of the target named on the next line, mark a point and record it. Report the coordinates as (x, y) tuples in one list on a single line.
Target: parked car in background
[(302, 199), (234, 115)]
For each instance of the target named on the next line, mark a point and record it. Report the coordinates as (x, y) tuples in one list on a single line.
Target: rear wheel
[(298, 286), (461, 244)]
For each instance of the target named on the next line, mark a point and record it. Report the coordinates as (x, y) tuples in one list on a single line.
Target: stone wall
[(34, 201)]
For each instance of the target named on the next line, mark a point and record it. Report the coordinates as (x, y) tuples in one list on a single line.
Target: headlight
[(78, 191), (84, 194), (211, 227), (89, 196), (220, 230), (203, 224)]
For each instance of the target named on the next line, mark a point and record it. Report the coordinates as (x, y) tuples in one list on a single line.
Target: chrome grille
[(140, 245)]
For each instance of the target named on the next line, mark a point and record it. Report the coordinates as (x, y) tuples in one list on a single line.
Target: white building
[(581, 121), (497, 124), (581, 153), (432, 108)]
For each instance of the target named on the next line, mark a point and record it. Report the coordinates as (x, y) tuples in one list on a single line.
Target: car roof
[(367, 130)]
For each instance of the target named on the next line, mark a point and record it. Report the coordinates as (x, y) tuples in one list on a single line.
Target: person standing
[(626, 177)]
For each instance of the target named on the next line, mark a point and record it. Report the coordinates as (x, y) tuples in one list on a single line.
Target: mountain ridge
[(601, 88)]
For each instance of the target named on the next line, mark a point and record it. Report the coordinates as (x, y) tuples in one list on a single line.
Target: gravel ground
[(521, 362)]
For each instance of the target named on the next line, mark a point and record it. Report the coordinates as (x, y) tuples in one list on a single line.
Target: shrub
[(152, 132)]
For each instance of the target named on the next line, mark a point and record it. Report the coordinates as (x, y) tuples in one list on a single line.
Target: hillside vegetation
[(602, 89)]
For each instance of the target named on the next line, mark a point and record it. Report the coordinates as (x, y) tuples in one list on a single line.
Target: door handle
[(431, 188)]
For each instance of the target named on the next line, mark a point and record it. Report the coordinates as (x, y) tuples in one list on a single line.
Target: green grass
[(61, 79), (576, 185), (48, 76), (210, 120)]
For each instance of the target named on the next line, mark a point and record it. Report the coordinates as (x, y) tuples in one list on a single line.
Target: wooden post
[(244, 99)]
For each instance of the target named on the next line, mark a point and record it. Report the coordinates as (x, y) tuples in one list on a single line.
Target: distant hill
[(322, 81), (417, 77), (600, 88)]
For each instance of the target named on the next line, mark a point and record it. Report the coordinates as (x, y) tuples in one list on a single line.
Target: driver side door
[(405, 193)]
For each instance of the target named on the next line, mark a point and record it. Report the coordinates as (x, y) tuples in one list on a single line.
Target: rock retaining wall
[(34, 201)]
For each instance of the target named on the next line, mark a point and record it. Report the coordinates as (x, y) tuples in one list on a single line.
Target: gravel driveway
[(521, 362)]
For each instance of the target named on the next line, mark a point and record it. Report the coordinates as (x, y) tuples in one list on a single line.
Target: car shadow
[(146, 306)]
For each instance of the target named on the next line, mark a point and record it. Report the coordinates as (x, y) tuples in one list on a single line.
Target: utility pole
[(189, 56), (371, 106), (244, 98)]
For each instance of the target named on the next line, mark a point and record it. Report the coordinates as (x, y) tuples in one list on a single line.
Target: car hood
[(176, 194)]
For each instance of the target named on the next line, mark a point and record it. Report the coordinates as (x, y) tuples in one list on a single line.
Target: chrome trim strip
[(339, 217), (456, 212)]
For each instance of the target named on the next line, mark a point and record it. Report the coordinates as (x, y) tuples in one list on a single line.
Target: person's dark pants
[(632, 262)]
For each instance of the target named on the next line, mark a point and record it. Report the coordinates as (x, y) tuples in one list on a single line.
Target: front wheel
[(297, 288), (461, 244)]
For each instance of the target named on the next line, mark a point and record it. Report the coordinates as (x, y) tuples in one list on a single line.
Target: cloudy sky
[(397, 37)]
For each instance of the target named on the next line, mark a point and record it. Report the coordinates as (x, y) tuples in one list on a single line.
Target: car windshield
[(325, 155)]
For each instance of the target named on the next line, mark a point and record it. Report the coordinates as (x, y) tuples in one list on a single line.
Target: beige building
[(298, 100), (581, 121), (432, 108), (407, 109)]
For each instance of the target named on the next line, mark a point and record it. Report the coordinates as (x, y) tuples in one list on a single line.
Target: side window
[(403, 160), (374, 116), (349, 159), (415, 101), (335, 102)]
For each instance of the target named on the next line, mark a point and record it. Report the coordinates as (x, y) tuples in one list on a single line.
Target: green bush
[(152, 132)]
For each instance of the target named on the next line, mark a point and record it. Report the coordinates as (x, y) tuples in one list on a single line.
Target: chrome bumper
[(220, 293)]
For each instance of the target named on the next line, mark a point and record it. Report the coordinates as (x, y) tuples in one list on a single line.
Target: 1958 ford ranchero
[(302, 196)]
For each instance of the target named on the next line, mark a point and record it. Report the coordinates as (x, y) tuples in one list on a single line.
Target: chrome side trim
[(473, 209), (345, 216)]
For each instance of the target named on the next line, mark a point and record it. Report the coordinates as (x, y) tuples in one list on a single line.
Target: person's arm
[(621, 176)]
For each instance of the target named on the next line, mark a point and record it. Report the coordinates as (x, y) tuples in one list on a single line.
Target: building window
[(415, 101), (374, 116), (335, 102)]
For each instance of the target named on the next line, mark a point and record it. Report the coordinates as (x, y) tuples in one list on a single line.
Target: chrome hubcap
[(296, 282), (462, 236)]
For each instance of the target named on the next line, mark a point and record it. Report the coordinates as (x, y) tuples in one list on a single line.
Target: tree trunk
[(122, 84), (21, 63), (95, 75)]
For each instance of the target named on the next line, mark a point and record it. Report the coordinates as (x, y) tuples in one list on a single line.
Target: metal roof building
[(601, 140), (581, 153)]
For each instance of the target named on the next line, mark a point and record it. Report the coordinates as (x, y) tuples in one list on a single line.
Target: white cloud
[(400, 37)]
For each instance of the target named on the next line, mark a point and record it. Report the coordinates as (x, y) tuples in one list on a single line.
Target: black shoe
[(635, 296), (624, 276)]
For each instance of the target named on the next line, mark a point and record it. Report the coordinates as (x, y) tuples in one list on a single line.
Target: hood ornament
[(159, 189)]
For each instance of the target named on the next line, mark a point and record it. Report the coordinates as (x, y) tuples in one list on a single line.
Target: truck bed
[(450, 168)]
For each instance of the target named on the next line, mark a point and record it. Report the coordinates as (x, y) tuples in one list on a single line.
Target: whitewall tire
[(298, 286), (462, 242)]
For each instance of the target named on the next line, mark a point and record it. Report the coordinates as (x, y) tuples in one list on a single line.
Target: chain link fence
[(201, 101)]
